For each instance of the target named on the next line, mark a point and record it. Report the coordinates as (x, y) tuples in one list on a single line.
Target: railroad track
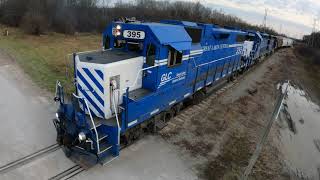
[(213, 94), (69, 173), (22, 161)]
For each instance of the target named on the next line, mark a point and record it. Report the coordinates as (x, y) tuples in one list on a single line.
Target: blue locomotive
[(142, 76)]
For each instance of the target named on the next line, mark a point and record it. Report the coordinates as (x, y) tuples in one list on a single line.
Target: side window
[(151, 55), (119, 43), (174, 57), (106, 42), (241, 38)]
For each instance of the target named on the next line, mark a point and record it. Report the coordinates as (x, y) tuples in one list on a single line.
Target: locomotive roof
[(200, 25), (106, 57), (228, 30), (167, 33), (172, 35)]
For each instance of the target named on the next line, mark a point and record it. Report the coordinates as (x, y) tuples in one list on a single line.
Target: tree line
[(70, 16), (312, 40)]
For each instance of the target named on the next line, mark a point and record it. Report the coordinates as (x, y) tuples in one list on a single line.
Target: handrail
[(97, 50), (136, 80), (116, 113), (94, 126), (213, 60), (56, 93), (59, 92)]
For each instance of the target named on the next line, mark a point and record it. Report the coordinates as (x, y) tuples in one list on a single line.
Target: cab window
[(174, 57), (241, 38), (135, 46), (151, 55), (106, 42)]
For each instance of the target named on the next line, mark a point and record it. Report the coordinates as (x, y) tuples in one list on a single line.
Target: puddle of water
[(300, 133)]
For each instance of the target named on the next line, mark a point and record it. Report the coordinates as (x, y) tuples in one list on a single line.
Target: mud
[(300, 141)]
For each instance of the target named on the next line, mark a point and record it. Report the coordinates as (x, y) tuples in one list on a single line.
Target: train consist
[(143, 75)]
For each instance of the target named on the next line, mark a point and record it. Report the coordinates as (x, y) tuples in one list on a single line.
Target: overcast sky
[(292, 17)]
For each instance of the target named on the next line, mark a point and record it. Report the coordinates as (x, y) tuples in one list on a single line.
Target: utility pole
[(314, 29), (264, 22), (104, 8)]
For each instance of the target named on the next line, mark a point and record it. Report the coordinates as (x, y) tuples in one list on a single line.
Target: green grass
[(44, 58)]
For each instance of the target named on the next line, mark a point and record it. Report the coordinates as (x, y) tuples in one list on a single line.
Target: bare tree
[(69, 16)]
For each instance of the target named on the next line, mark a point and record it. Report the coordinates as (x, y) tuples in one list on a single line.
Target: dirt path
[(221, 132)]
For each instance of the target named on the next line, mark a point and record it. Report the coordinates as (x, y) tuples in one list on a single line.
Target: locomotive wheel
[(198, 97), (168, 115), (177, 108), (232, 77)]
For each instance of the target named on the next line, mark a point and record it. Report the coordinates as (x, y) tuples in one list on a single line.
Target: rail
[(69, 173), (94, 126), (24, 160)]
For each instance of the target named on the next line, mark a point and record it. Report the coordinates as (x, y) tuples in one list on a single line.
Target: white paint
[(129, 71), (132, 34), (199, 88), (196, 53), (132, 123), (247, 48), (235, 45), (172, 102), (186, 95), (154, 111)]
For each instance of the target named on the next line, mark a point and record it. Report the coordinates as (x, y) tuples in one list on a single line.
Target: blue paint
[(90, 88), (90, 100), (100, 73), (93, 79)]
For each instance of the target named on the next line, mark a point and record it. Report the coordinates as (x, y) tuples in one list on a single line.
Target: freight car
[(142, 76), (284, 42)]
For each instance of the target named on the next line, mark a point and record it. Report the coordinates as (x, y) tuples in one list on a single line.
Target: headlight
[(118, 27), (82, 136)]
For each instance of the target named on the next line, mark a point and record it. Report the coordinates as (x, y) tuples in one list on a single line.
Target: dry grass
[(44, 58)]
